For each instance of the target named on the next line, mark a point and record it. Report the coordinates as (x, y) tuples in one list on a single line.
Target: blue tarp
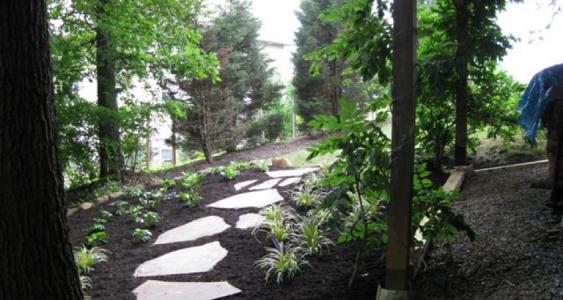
[(536, 98)]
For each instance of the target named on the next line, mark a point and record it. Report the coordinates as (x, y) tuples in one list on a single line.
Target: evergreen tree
[(321, 92), (222, 111)]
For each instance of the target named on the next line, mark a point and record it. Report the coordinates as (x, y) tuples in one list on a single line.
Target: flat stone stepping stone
[(256, 199), (249, 221), (291, 173), (241, 185), (290, 181), (193, 230), (162, 290), (185, 261), (268, 184)]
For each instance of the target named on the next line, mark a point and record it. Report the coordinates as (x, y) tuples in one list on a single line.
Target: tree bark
[(461, 66), (111, 158), (37, 260)]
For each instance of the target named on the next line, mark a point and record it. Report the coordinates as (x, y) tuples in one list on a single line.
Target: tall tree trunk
[(111, 158), (173, 142), (37, 260), (461, 91), (335, 88), (204, 133)]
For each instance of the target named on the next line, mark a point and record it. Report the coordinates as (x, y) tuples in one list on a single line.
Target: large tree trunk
[(36, 256), (111, 158), (204, 133), (461, 91)]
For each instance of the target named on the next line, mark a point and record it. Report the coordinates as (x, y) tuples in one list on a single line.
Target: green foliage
[(105, 215), (149, 203), (305, 197), (96, 238), (191, 181), (281, 262), (230, 172), (220, 115), (167, 184), (135, 211), (141, 235), (85, 282), (148, 219), (121, 207), (190, 199), (310, 234), (86, 258), (263, 165)]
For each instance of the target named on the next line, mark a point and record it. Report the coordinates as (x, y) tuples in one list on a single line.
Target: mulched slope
[(327, 279), (512, 258)]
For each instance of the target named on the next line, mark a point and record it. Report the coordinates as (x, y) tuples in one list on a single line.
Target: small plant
[(310, 236), (277, 223), (96, 238), (281, 262), (191, 181), (86, 258), (148, 219), (135, 211), (241, 165), (148, 203), (141, 235), (106, 215), (213, 170), (167, 184), (190, 199), (230, 172), (120, 207), (107, 188), (135, 191), (96, 227), (85, 282), (263, 165), (305, 196)]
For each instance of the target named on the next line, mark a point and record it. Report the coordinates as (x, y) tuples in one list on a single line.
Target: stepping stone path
[(249, 221), (256, 199), (241, 185), (291, 173), (203, 258), (268, 184), (289, 181), (161, 290), (193, 230), (185, 261)]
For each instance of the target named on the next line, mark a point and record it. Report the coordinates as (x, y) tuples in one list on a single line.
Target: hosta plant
[(191, 181), (168, 184), (141, 235), (190, 199), (229, 172), (96, 238), (86, 258), (135, 211), (148, 219), (149, 203), (121, 207), (106, 215), (282, 262)]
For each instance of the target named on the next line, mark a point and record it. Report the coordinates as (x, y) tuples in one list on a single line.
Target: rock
[(268, 184), (281, 162), (102, 199), (185, 261), (193, 230), (162, 290), (241, 185), (249, 221), (257, 199), (291, 173), (290, 181), (86, 205), (116, 195), (70, 211)]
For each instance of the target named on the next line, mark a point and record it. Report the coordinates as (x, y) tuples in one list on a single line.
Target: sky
[(537, 48)]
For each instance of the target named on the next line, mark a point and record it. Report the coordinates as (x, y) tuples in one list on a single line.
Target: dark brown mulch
[(326, 279), (267, 151), (512, 258)]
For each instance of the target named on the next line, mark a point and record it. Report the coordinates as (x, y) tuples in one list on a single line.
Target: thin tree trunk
[(461, 65), (36, 256), (111, 158), (173, 140), (204, 133)]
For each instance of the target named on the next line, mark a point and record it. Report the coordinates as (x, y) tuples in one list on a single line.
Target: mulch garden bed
[(512, 258), (326, 279)]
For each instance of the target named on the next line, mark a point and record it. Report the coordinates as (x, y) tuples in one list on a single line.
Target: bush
[(282, 262), (141, 235)]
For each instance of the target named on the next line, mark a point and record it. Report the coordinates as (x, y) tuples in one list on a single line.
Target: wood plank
[(512, 167)]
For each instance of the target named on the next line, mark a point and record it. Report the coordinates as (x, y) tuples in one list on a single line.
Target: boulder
[(281, 162)]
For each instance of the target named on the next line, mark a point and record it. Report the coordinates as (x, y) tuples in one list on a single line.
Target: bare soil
[(513, 257), (327, 277)]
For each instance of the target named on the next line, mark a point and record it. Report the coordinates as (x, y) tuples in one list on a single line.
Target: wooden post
[(402, 154)]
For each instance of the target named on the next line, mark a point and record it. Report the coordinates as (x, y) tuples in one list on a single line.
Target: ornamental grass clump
[(309, 234), (282, 262), (86, 258)]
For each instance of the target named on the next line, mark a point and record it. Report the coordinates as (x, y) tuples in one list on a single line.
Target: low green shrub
[(86, 258), (141, 235)]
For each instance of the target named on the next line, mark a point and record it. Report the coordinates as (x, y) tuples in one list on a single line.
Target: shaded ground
[(512, 258), (326, 279), (267, 151)]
